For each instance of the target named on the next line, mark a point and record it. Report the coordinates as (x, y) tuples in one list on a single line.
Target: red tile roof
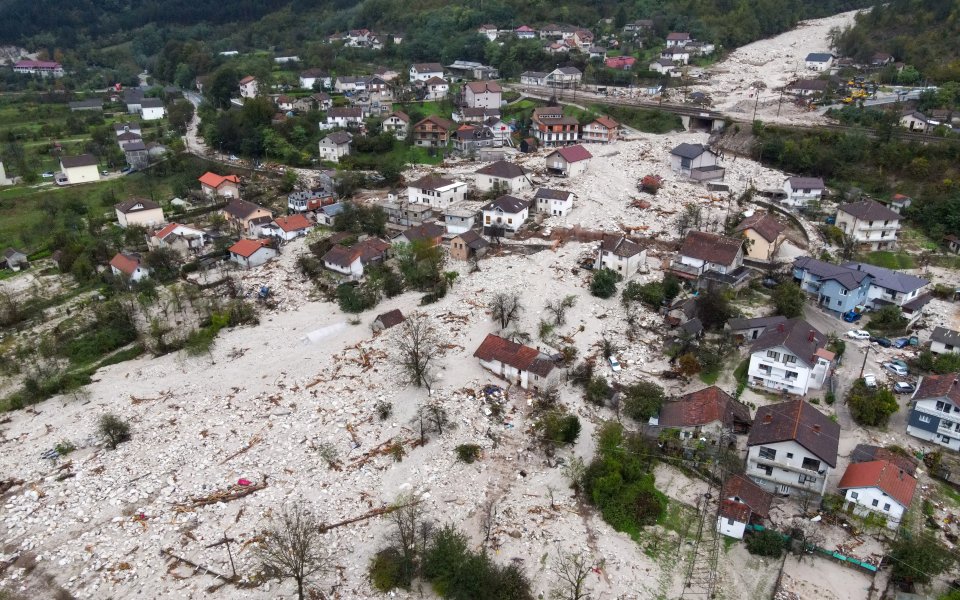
[(743, 488), (496, 348), (710, 247), (883, 475), (798, 421), (215, 181), (247, 79), (246, 248), (479, 87), (939, 386), (162, 233), (125, 263), (702, 407), (573, 154), (607, 122), (735, 511), (763, 223), (293, 223)]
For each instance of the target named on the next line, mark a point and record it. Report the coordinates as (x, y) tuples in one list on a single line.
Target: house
[(425, 71), (488, 30), (679, 55), (620, 63), (897, 456), (128, 127), (397, 123), (808, 87), (564, 77), (556, 203), (569, 161), (952, 242), (227, 186), (503, 176), (80, 169), (346, 84), (129, 267), (251, 253), (678, 38), (335, 145), (431, 233), (482, 94), (352, 260), (322, 100), (818, 61), (459, 218), (475, 115), (707, 412), (750, 329), (664, 66), (125, 138), (433, 131), (177, 237), (387, 320), (525, 32), (343, 117), (914, 120), (518, 364), (601, 130), (239, 214), (136, 154), (836, 288), (893, 287), (880, 487), (741, 503), (291, 227), (133, 98), (899, 202), (467, 245), (790, 357), (935, 410), (499, 130), (802, 190), (550, 127), (406, 214), (248, 87), (764, 234), (151, 109), (638, 26), (792, 447), (285, 103), (312, 79), (438, 192), (470, 138), (506, 213), (869, 223), (328, 214), (533, 78), (619, 254), (435, 88), (91, 104), (138, 211), (13, 259), (702, 253), (698, 48), (944, 341), (696, 161), (44, 68), (583, 38)]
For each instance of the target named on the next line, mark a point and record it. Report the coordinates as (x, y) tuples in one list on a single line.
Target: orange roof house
[(220, 185)]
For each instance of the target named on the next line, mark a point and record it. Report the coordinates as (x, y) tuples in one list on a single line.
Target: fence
[(829, 553)]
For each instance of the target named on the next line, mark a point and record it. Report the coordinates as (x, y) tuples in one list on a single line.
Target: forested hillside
[(922, 33)]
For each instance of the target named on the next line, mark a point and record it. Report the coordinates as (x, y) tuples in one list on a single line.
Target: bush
[(384, 409), (604, 283), (557, 427), (598, 391), (766, 543), (468, 453), (788, 299), (642, 400), (871, 407), (458, 573), (918, 558), (887, 319), (356, 299), (387, 570), (113, 429)]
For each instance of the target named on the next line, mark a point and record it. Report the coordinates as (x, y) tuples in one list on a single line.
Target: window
[(766, 469), (789, 358), (768, 453), (807, 479), (945, 439), (772, 354), (792, 375), (875, 503), (729, 521), (811, 464), (839, 303), (854, 495), (886, 507), (789, 454), (943, 406), (766, 369)]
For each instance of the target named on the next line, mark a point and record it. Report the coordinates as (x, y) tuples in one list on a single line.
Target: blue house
[(837, 289)]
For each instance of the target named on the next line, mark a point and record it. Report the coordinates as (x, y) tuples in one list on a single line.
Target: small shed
[(387, 320)]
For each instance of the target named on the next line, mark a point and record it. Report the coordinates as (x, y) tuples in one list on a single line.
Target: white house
[(138, 211), (180, 238), (790, 357), (129, 266), (935, 412), (533, 78), (291, 227), (506, 212), (482, 94), (343, 117), (151, 109), (869, 223), (525, 32), (802, 190), (311, 77), (438, 192), (425, 71), (352, 260), (702, 252), (914, 120), (507, 177), (251, 253), (518, 364), (619, 254), (459, 218), (248, 87), (678, 54), (878, 486), (819, 61), (564, 77), (397, 123), (556, 203), (602, 130), (568, 161), (944, 341), (80, 169), (436, 88), (335, 145), (678, 38), (692, 160), (664, 66), (741, 502), (792, 447)]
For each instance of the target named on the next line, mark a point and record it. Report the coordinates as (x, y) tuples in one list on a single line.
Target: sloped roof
[(314, 73), (551, 194), (215, 181), (241, 209), (480, 87), (295, 222), (502, 169), (815, 85), (704, 406), (686, 150), (436, 81), (390, 318), (132, 205), (806, 183), (945, 336), (867, 453), (438, 121), (473, 239), (424, 231), (246, 248), (710, 247), (507, 204), (524, 358), (751, 494), (889, 279), (431, 182), (607, 122), (797, 421), (939, 386), (798, 336), (619, 245), (428, 67), (883, 475), (764, 224), (345, 112), (247, 79), (125, 263), (152, 103), (869, 210), (339, 138), (400, 115), (734, 511), (534, 74), (84, 160), (849, 278), (743, 324), (572, 154), (818, 57), (678, 36)]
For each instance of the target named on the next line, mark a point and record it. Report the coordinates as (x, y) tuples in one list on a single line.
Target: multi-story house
[(893, 287), (437, 192), (249, 87), (620, 255), (469, 139), (397, 123), (801, 191), (601, 130), (869, 223), (435, 88), (550, 127), (935, 410), (344, 117), (432, 131), (312, 78), (704, 252), (425, 71), (792, 447), (790, 357), (764, 234), (556, 203), (335, 145), (837, 289), (502, 175), (878, 486), (677, 38), (482, 94), (564, 77), (506, 213)]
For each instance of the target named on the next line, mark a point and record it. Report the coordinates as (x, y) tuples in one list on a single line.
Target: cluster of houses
[(680, 48), (43, 68)]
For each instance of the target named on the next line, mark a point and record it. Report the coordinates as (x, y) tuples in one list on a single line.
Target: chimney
[(780, 327), (900, 475), (812, 335), (816, 429), (767, 418)]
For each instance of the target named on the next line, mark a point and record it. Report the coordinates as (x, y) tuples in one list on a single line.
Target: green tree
[(788, 299), (642, 400), (714, 309), (604, 283), (888, 318), (871, 407), (918, 557)]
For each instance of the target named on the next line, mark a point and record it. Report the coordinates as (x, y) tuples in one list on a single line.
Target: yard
[(890, 260)]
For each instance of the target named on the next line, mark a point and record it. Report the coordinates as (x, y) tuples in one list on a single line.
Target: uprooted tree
[(419, 345), (292, 547), (571, 572), (558, 308), (505, 308)]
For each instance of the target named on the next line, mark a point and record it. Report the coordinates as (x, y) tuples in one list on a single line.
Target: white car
[(614, 364), (870, 380), (858, 334)]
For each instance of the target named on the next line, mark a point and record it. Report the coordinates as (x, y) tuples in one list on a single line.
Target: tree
[(113, 429), (788, 299), (888, 318), (598, 390), (410, 527), (558, 308), (180, 114), (642, 400), (766, 543), (604, 283), (713, 308), (291, 547), (419, 345), (163, 264), (506, 308), (918, 558), (571, 571), (871, 407)]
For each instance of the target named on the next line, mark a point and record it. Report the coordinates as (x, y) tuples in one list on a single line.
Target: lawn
[(914, 238), (889, 260), (642, 119), (427, 109)]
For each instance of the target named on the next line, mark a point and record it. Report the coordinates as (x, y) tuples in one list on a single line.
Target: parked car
[(614, 364), (104, 172), (904, 387), (858, 334), (870, 380), (896, 369), (899, 363), (47, 174), (901, 343), (851, 316), (882, 341)]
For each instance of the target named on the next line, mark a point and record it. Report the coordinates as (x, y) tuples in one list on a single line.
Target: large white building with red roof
[(251, 253), (521, 365), (878, 486), (46, 68), (220, 185)]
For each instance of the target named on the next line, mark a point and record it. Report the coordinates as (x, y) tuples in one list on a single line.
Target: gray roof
[(849, 278), (535, 74), (473, 239), (503, 170), (869, 210), (550, 194), (151, 103), (744, 324), (689, 150), (796, 335), (339, 137), (92, 103), (568, 70), (132, 205), (891, 280), (806, 183), (819, 57), (945, 336), (134, 146), (508, 204)]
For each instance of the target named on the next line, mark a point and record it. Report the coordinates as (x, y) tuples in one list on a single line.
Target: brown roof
[(510, 353), (553, 115), (473, 239), (132, 205), (619, 245), (241, 209), (425, 231), (400, 115), (572, 154), (800, 422), (867, 453), (84, 160), (507, 204), (479, 87), (502, 169), (371, 249), (710, 247), (763, 223), (430, 182), (438, 121), (341, 255), (796, 335), (869, 210), (247, 79), (702, 407), (345, 112), (883, 475), (743, 488), (390, 318), (939, 386), (607, 122), (735, 511)]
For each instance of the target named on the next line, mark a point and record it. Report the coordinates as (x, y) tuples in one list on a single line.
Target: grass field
[(889, 260)]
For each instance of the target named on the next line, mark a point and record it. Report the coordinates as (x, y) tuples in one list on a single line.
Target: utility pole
[(755, 104), (866, 353)]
